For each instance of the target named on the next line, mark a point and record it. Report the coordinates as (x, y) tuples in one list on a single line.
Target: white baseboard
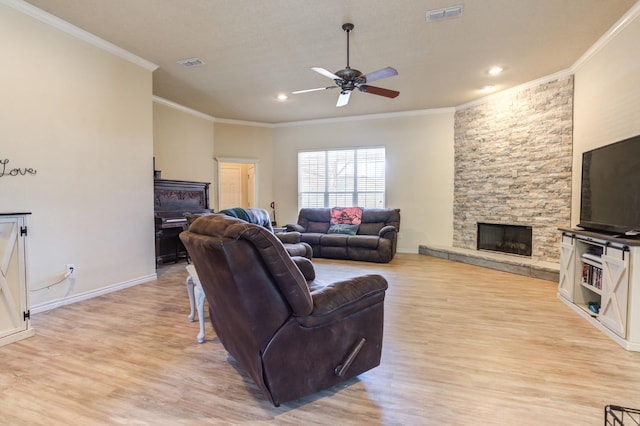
[(90, 294)]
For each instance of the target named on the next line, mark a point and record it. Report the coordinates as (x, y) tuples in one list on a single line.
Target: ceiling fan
[(349, 79)]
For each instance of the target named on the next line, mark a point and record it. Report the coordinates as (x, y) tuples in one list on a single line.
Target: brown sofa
[(292, 334), (375, 240)]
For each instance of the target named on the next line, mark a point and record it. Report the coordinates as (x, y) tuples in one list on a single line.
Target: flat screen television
[(610, 192)]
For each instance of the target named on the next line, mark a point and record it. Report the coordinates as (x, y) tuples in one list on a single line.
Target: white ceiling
[(255, 49)]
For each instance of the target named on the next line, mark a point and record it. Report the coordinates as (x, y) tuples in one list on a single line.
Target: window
[(345, 177)]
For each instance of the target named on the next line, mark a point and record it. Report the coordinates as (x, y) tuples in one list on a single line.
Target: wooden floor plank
[(463, 345)]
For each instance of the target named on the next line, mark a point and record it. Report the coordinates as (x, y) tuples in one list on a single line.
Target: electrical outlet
[(71, 270)]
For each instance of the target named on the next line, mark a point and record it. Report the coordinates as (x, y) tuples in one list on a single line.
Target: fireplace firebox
[(512, 239)]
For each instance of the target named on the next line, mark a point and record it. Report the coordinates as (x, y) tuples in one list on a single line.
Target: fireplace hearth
[(512, 239)]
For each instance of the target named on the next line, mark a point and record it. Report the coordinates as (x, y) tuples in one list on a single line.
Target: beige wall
[(607, 98), (183, 145), (244, 143), (419, 150), (82, 118)]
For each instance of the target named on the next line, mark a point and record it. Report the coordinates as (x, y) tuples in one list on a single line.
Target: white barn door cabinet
[(600, 280), (14, 291)]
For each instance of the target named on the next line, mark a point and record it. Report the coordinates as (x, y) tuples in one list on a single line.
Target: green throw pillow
[(342, 228)]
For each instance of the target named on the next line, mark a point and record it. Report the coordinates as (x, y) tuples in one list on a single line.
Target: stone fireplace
[(513, 164), (511, 239)]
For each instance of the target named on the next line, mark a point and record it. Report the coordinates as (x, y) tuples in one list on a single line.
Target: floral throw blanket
[(346, 215)]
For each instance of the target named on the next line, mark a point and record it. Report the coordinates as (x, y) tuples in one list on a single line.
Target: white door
[(567, 267), (13, 296), (231, 194), (237, 185), (251, 185), (615, 284)]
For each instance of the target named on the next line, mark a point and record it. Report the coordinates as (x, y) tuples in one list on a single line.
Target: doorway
[(237, 179)]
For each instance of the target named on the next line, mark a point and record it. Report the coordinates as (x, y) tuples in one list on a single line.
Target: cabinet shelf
[(592, 262), (592, 288)]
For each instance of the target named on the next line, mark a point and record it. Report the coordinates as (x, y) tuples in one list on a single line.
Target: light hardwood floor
[(463, 345)]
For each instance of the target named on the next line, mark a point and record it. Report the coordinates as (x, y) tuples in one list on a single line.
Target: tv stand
[(600, 280)]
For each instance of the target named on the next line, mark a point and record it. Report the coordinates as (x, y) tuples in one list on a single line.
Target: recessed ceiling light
[(488, 88), (282, 97), (495, 70)]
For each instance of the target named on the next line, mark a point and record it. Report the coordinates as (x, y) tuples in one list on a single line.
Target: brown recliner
[(292, 334)]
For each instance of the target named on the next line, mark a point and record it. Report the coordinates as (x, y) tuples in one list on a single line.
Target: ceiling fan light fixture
[(349, 79)]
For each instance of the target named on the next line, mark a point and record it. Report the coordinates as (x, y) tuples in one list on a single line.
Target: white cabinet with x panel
[(14, 292), (600, 280)]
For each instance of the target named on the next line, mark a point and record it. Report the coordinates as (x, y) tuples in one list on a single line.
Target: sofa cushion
[(342, 228), (312, 238), (370, 228), (364, 241), (386, 216), (331, 252), (334, 240), (319, 227)]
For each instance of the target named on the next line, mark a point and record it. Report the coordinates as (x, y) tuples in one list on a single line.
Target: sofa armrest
[(387, 232), (288, 237), (340, 295), (294, 227), (305, 266)]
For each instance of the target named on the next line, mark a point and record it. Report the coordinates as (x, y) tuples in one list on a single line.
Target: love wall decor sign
[(7, 171)]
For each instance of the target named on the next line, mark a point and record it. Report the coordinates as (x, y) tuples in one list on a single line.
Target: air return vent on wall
[(191, 62), (444, 13)]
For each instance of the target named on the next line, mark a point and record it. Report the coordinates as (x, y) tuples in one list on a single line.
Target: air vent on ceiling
[(444, 13), (191, 62)]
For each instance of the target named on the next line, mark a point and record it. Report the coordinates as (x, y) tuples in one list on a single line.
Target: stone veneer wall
[(513, 158)]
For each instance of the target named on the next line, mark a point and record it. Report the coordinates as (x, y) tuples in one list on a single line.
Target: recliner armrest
[(340, 295), (387, 232), (288, 237), (305, 266), (294, 227)]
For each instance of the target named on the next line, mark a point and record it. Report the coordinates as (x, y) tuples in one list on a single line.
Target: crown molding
[(519, 88), (199, 114), (170, 104), (386, 115), (242, 122), (76, 32), (621, 24)]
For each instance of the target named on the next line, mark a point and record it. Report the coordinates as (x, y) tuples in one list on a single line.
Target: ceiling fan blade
[(313, 90), (380, 74), (343, 99), (326, 73), (378, 91)]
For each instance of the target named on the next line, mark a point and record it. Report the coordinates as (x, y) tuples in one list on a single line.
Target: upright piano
[(173, 200)]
